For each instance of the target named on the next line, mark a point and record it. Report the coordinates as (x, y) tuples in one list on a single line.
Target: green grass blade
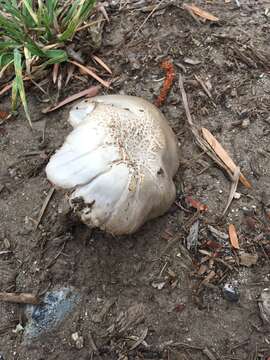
[(12, 10), (79, 15), (5, 58), (28, 5), (6, 45), (56, 56), (51, 7), (14, 95), (11, 29), (19, 82)]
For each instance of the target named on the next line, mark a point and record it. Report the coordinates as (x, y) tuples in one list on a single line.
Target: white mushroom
[(119, 162)]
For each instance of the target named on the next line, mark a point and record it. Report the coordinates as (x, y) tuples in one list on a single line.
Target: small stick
[(22, 298), (209, 354), (236, 177), (185, 345), (148, 17), (5, 252), (44, 207), (205, 89), (57, 255), (201, 142)]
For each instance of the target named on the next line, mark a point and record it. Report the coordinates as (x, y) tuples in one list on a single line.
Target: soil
[(146, 287)]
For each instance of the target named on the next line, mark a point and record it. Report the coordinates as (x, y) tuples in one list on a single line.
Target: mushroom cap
[(119, 161)]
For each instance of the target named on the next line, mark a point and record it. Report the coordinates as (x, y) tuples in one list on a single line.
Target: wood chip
[(247, 259), (200, 12), (233, 237)]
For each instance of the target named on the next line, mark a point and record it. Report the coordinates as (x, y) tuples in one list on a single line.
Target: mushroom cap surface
[(119, 162)]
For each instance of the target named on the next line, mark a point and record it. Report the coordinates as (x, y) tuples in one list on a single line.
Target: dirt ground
[(146, 296)]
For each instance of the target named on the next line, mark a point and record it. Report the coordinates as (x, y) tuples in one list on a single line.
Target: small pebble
[(245, 123), (79, 341), (237, 195), (231, 293)]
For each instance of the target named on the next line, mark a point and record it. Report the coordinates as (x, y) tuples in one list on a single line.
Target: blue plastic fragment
[(46, 316)]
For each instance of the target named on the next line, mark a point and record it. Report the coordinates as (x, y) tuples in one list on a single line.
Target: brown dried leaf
[(200, 12), (102, 63), (90, 92), (55, 72), (5, 89), (233, 237), (196, 204), (91, 73), (70, 71), (223, 155), (4, 115)]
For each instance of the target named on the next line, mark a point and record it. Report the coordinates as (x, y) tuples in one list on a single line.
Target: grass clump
[(34, 35)]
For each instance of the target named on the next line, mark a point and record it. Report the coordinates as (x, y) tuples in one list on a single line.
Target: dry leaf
[(70, 71), (5, 88), (200, 12), (233, 237), (4, 115), (223, 155), (90, 92), (91, 73), (102, 63), (55, 72), (196, 204)]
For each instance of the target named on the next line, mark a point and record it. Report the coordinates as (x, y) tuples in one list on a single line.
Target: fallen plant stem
[(22, 298), (90, 72), (208, 143), (205, 89), (44, 206), (195, 131), (234, 185), (102, 63), (148, 17)]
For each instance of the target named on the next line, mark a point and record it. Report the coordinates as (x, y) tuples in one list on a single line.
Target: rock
[(159, 285), (231, 293), (79, 341)]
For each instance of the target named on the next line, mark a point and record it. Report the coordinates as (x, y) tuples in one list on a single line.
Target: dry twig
[(44, 207), (22, 298)]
